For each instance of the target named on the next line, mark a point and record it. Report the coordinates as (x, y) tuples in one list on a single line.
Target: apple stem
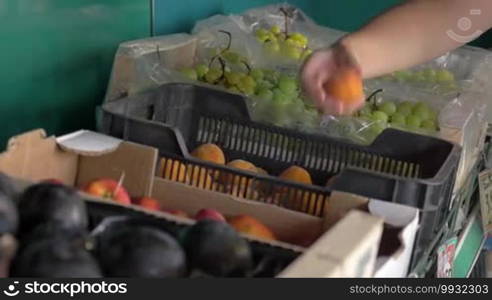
[(120, 183)]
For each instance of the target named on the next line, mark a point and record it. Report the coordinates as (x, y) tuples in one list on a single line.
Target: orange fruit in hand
[(345, 92)]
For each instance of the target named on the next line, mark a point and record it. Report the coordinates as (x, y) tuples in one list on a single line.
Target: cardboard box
[(79, 158), (356, 236), (347, 249)]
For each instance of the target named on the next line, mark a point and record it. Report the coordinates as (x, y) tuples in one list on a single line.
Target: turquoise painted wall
[(56, 56), (180, 16), (347, 15)]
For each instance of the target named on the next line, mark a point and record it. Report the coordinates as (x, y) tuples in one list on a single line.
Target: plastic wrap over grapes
[(258, 54)]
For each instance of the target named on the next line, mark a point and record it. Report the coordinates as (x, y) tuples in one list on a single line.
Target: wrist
[(347, 46)]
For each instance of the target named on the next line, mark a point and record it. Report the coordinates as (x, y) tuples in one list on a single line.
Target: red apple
[(209, 214), (108, 188), (176, 212), (147, 202)]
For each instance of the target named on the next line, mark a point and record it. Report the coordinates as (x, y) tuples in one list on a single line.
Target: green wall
[(179, 16), (56, 56), (347, 15)]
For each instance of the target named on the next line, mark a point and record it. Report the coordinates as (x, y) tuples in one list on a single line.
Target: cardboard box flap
[(397, 215), (349, 249), (33, 156), (394, 214), (136, 162), (88, 143), (287, 225)]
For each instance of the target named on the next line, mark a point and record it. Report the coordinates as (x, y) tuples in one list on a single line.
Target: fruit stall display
[(223, 110), (224, 151), (235, 53), (94, 231)]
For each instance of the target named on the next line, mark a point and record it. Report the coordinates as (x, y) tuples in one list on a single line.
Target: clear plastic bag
[(144, 64)]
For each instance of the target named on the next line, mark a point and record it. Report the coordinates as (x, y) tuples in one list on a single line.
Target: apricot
[(346, 88), (238, 180), (209, 152), (251, 226), (173, 170), (295, 198), (297, 174)]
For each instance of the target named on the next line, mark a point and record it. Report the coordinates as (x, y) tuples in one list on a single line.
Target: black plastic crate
[(399, 166)]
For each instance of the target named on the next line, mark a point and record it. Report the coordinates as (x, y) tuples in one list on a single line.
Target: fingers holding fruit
[(332, 78)]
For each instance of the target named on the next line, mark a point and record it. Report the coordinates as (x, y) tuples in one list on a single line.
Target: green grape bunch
[(417, 117), (275, 97), (444, 80), (292, 45)]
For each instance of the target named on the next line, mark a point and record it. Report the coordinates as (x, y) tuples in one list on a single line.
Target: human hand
[(332, 78)]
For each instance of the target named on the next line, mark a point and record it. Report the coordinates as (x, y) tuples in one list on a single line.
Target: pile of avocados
[(60, 235)]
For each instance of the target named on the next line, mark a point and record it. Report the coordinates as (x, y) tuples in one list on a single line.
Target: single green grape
[(275, 29), (430, 75), (287, 84), (423, 111), (398, 119), (232, 57), (429, 125), (387, 107), (271, 47), (257, 74), (248, 81), (201, 70), (294, 43), (246, 89), (444, 76), (291, 51), (413, 122), (262, 35), (279, 96), (299, 37), (380, 116), (233, 78), (405, 108), (265, 94), (213, 75), (306, 53), (264, 84), (189, 73)]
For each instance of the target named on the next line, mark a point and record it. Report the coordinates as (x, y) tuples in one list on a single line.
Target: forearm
[(415, 32)]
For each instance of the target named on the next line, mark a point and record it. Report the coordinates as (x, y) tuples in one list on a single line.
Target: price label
[(485, 188), (445, 258)]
